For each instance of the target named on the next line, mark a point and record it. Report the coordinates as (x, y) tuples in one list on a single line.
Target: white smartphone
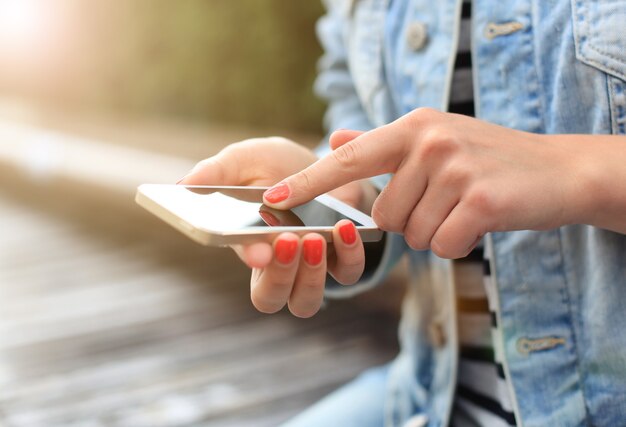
[(221, 216)]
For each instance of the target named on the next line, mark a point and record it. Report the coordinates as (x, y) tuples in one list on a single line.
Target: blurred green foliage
[(249, 62)]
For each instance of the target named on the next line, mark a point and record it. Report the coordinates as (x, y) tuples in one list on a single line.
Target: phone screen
[(227, 209)]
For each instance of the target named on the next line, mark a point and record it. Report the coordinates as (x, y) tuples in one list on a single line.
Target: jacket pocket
[(600, 37), (600, 31)]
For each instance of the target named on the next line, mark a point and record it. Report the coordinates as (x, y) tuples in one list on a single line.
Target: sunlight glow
[(21, 24)]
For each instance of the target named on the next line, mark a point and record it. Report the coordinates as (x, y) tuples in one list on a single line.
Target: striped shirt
[(482, 392)]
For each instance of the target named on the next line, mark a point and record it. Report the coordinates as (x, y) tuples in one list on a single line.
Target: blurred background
[(107, 316)]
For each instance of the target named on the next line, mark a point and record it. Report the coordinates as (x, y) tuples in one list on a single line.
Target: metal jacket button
[(436, 335), (419, 420), (416, 36)]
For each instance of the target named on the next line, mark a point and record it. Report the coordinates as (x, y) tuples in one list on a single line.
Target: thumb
[(221, 169), (343, 136)]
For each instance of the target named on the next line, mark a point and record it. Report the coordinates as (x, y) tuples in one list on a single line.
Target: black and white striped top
[(482, 392), (462, 90)]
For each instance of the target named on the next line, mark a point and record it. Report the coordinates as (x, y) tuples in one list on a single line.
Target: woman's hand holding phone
[(293, 269)]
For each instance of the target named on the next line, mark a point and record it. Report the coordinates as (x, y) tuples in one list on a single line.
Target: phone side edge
[(146, 202)]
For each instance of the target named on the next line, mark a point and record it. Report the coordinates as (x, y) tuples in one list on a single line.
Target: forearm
[(598, 174)]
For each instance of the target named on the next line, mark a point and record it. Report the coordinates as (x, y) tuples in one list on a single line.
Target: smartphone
[(222, 216)]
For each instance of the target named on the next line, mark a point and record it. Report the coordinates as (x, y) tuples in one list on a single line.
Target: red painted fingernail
[(285, 250), (313, 251), (269, 219), (348, 233), (277, 193)]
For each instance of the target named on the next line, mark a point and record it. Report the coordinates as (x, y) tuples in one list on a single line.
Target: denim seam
[(537, 67), (505, 362), (573, 332), (616, 106), (612, 99)]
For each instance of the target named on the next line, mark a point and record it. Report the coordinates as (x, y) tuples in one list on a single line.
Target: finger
[(352, 194), (348, 262), (256, 255), (458, 233), (429, 213), (373, 153), (271, 288), (343, 136), (308, 291), (393, 206), (221, 169)]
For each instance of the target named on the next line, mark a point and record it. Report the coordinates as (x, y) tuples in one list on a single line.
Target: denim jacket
[(544, 66)]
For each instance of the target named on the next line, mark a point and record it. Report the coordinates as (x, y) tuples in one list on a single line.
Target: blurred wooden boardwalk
[(108, 318)]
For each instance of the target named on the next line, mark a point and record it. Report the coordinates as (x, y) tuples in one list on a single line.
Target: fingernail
[(277, 193), (313, 251), (285, 251), (348, 233), (269, 219)]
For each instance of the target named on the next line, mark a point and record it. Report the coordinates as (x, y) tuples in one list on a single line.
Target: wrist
[(598, 180), (586, 180)]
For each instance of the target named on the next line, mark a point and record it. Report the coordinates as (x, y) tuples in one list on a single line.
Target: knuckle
[(347, 155), (427, 114), (352, 264), (483, 201), (203, 164), (454, 174), (311, 286), (415, 241), (265, 305), (438, 141), (214, 165), (220, 168), (305, 311), (269, 296), (349, 274), (233, 148), (305, 182), (422, 115), (443, 250), (381, 218)]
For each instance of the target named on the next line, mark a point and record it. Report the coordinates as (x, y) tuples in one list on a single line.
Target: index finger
[(373, 153)]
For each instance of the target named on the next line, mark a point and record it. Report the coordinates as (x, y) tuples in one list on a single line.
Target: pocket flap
[(600, 32)]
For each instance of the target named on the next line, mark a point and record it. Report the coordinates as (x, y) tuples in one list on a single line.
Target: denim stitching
[(583, 19), (616, 104), (579, 379)]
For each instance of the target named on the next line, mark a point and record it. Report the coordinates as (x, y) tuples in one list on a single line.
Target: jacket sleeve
[(345, 111), (334, 83)]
